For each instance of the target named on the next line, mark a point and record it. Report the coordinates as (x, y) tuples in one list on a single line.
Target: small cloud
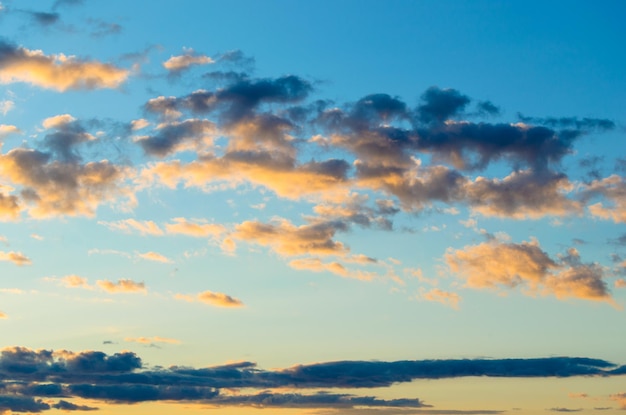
[(3, 316), (152, 340), (154, 256), (71, 281), (6, 130), (16, 257), (57, 121), (211, 298), (176, 64), (621, 283), (121, 286), (6, 106), (147, 227), (444, 297), (139, 124), (36, 237)]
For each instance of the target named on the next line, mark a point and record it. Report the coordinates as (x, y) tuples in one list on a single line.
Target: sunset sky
[(312, 207)]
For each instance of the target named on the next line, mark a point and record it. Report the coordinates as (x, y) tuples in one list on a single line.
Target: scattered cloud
[(179, 63), (152, 340), (15, 257), (59, 72), (500, 265), (154, 256), (6, 106), (122, 286), (3, 316), (444, 297), (211, 298)]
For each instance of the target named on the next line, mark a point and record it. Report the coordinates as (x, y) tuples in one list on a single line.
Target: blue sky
[(354, 207)]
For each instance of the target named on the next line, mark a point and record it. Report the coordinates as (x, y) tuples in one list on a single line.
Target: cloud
[(3, 316), (122, 378), (15, 257), (620, 398), (69, 406), (194, 227), (211, 298), (441, 104), (178, 136), (121, 286), (6, 130), (444, 297), (52, 187), (286, 239), (154, 256), (613, 189), (6, 106), (72, 281), (59, 72), (177, 64), (500, 265), (130, 225), (152, 340)]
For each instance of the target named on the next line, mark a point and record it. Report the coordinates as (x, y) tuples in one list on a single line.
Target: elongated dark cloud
[(27, 376), (441, 104)]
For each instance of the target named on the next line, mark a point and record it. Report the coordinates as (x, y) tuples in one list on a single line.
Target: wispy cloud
[(122, 286), (212, 298)]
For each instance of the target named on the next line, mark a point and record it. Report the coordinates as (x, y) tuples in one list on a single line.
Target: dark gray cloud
[(439, 105), (575, 123), (175, 135), (69, 406), (28, 375), (42, 18)]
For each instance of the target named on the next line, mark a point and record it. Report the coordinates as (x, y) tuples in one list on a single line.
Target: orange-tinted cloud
[(620, 398), (50, 187), (444, 297), (193, 227), (3, 316), (189, 58), (133, 225), (154, 256), (16, 257), (6, 130), (211, 298), (286, 239), (612, 188), (497, 265), (59, 72), (152, 340), (121, 286)]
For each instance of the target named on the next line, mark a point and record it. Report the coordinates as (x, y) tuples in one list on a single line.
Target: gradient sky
[(354, 207)]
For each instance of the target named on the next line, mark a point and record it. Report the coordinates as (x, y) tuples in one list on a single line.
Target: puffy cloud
[(177, 64), (612, 188), (122, 286), (286, 239), (496, 264), (9, 207), (178, 136), (441, 104), (50, 187), (15, 257), (212, 298), (6, 130), (60, 72), (522, 194)]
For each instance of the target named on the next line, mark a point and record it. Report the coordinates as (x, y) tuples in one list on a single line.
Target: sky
[(322, 208)]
